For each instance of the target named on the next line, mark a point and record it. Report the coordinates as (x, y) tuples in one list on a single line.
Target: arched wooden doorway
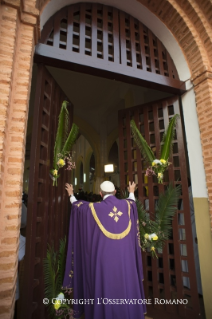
[(93, 38), (107, 42)]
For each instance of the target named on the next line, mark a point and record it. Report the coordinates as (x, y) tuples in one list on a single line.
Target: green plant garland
[(155, 228), (54, 269), (63, 143), (157, 167)]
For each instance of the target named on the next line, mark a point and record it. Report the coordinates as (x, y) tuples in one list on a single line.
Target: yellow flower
[(55, 172), (146, 236), (57, 304), (163, 161), (58, 301), (160, 174), (153, 248), (61, 162), (153, 163), (155, 237)]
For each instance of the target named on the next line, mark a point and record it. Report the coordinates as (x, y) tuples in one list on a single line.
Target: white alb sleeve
[(131, 196), (73, 199)]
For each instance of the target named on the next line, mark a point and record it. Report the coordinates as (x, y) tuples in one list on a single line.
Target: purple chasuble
[(104, 265)]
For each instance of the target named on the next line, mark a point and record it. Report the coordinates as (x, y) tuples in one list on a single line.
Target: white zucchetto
[(107, 186)]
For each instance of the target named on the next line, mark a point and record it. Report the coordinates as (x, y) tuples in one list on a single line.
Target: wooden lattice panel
[(108, 34), (47, 211), (165, 277)]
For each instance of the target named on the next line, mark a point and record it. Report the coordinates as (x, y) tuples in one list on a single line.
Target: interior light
[(109, 168)]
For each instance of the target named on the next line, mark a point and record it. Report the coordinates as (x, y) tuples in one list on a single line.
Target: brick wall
[(203, 89), (17, 30)]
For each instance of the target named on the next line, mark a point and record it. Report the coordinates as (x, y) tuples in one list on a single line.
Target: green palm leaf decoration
[(144, 148), (50, 274), (54, 268), (166, 209), (155, 228), (166, 145), (146, 220), (63, 143), (61, 263), (157, 166), (70, 139), (62, 130)]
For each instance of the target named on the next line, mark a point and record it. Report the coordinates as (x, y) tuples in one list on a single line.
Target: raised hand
[(69, 188), (131, 188)]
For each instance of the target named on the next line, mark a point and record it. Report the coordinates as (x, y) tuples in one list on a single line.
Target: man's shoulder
[(131, 201), (78, 203), (117, 201)]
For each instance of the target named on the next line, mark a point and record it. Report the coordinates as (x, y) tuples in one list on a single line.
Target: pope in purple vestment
[(104, 265)]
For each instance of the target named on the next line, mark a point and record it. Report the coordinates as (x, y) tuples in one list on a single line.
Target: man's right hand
[(131, 188), (69, 188)]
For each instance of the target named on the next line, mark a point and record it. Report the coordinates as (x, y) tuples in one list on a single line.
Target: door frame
[(57, 58)]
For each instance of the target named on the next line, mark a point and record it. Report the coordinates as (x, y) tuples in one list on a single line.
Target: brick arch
[(205, 24), (179, 18)]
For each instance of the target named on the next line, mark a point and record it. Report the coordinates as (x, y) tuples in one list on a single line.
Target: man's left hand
[(131, 188), (69, 188)]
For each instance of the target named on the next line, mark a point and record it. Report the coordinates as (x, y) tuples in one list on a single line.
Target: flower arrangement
[(156, 167), (62, 309), (63, 144), (54, 268), (155, 228)]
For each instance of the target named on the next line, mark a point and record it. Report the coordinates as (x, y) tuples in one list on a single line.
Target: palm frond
[(62, 131), (146, 219), (50, 270), (166, 208), (144, 148), (141, 211), (66, 124), (61, 263), (142, 216), (71, 139), (166, 144), (124, 194)]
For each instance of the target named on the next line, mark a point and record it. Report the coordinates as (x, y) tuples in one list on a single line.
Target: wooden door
[(48, 206), (165, 277), (89, 37)]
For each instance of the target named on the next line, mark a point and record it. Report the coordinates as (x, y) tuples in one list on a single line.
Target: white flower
[(58, 301), (156, 161), (60, 296), (152, 235)]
